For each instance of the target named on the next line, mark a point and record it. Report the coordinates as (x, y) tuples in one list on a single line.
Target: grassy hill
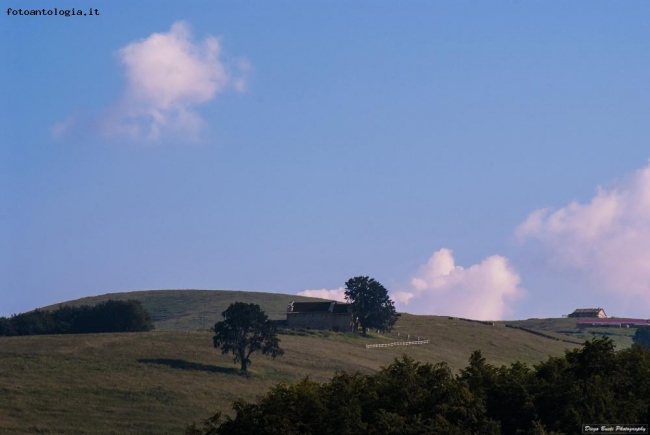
[(565, 328), (160, 381), (194, 309)]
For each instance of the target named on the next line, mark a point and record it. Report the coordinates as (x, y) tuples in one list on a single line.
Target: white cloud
[(401, 297), (61, 129), (482, 291), (607, 240), (168, 76), (337, 294), (243, 67)]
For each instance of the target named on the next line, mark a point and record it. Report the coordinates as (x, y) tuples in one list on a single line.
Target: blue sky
[(482, 159)]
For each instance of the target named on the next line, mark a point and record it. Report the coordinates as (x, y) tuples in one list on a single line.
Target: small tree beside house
[(371, 306)]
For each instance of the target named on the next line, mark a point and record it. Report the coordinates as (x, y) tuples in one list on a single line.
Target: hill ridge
[(191, 309)]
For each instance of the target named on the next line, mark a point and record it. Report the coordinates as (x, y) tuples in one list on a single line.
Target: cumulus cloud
[(168, 76), (607, 239), (337, 294), (482, 291)]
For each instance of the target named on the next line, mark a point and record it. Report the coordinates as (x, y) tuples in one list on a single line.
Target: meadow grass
[(158, 382), (565, 328)]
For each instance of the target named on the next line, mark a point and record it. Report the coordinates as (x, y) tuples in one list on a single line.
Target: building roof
[(587, 311), (341, 308), (318, 307)]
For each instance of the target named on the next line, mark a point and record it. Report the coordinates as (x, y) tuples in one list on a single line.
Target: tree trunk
[(244, 361), (364, 331)]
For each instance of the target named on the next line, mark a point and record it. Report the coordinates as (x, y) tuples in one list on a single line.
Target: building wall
[(325, 320)]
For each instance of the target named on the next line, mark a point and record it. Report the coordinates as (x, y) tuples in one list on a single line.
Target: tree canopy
[(642, 336), (371, 306), (246, 329), (593, 383), (109, 316)]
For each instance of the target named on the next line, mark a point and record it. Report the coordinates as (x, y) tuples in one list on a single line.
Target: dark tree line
[(591, 384), (642, 336), (110, 316)]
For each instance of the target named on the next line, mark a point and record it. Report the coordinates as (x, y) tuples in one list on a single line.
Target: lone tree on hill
[(244, 330), (371, 306)]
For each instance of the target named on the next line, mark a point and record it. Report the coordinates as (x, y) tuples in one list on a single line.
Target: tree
[(371, 306), (642, 337), (115, 316), (244, 330), (109, 316), (479, 376), (409, 398), (406, 398)]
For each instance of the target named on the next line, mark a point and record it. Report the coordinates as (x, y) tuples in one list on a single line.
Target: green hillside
[(194, 309), (565, 328), (160, 381)]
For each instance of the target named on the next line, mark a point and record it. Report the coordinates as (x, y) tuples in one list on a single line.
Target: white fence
[(397, 343)]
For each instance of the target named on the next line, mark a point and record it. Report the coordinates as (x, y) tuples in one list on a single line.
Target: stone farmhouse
[(334, 316)]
